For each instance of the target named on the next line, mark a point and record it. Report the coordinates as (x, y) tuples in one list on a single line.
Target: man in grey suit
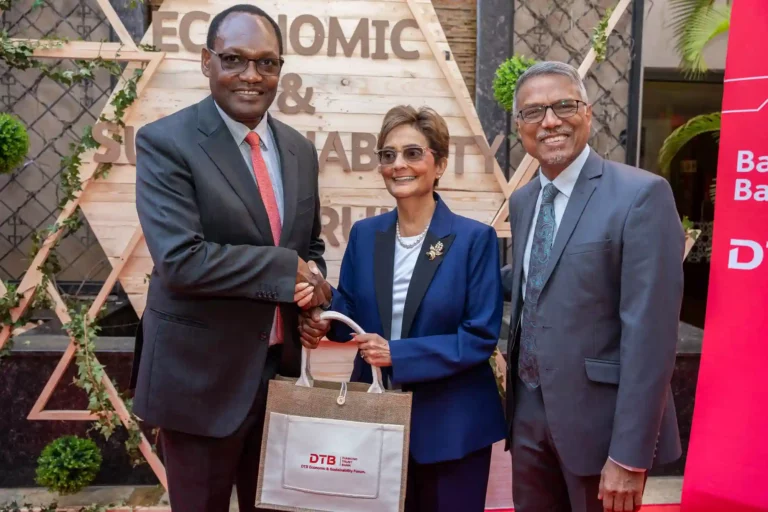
[(227, 197), (596, 285)]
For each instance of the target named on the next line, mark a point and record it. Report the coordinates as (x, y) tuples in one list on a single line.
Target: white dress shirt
[(564, 182), (405, 262), (271, 158)]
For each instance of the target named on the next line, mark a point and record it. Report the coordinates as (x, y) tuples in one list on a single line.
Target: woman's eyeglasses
[(562, 109), (234, 63), (412, 154)]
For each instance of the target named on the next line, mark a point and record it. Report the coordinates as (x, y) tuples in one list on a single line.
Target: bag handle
[(306, 379)]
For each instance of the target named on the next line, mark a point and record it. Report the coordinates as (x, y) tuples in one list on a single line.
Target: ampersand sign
[(291, 83)]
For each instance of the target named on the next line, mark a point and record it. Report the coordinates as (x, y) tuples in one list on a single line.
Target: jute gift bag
[(334, 446)]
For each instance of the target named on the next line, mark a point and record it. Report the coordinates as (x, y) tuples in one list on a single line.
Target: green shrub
[(14, 143), (506, 79), (68, 464)]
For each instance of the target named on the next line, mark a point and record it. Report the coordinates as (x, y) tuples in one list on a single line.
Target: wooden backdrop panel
[(350, 94)]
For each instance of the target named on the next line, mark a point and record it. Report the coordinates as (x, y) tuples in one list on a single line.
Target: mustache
[(548, 133)]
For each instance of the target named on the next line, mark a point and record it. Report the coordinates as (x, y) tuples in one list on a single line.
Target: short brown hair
[(425, 120)]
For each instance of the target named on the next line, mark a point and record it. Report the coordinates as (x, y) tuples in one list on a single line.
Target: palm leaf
[(695, 23), (681, 136)]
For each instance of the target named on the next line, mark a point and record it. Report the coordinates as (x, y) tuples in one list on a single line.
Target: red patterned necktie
[(270, 203)]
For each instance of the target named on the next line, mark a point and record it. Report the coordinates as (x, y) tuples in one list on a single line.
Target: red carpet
[(646, 508)]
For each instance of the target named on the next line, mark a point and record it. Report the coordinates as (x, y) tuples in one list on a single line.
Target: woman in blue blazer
[(425, 286)]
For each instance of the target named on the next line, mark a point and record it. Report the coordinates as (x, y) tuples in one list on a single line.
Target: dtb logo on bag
[(748, 258), (315, 458)]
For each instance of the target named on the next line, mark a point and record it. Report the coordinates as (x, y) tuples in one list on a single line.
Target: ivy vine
[(600, 37), (82, 329)]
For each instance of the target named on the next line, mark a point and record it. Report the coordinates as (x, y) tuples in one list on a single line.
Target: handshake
[(311, 293), (312, 290)]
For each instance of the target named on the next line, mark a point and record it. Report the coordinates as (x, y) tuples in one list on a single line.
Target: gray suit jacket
[(607, 317), (218, 274)]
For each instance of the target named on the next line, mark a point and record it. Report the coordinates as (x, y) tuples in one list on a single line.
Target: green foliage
[(705, 123), (506, 78), (15, 507), (600, 37), (68, 464), (695, 23), (14, 143)]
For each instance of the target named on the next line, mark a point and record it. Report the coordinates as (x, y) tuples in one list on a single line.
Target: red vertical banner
[(727, 465)]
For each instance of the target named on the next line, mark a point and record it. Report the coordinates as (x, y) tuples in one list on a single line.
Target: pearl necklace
[(411, 245)]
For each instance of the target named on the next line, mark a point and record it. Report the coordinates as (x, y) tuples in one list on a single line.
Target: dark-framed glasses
[(562, 109), (236, 63), (387, 156)]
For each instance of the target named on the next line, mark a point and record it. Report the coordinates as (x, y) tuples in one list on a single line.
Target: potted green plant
[(68, 464), (506, 78), (14, 143)]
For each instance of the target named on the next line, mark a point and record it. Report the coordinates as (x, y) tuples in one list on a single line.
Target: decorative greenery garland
[(90, 373)]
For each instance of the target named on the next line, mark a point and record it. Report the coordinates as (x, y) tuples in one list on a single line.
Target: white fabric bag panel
[(365, 473)]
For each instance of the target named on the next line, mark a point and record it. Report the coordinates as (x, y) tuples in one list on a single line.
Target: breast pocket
[(592, 269), (587, 247)]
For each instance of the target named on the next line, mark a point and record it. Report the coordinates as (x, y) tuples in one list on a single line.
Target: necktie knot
[(549, 193), (252, 139)]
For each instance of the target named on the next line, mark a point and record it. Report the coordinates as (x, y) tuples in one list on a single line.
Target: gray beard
[(556, 159)]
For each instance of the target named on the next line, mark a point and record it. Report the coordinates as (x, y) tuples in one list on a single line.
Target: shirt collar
[(239, 131), (566, 180)]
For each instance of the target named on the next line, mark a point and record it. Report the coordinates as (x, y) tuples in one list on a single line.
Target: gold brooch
[(435, 251)]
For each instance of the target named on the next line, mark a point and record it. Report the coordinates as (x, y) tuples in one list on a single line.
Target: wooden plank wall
[(351, 95)]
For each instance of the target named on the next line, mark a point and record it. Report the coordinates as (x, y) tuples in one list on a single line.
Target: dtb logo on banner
[(751, 255), (330, 460)]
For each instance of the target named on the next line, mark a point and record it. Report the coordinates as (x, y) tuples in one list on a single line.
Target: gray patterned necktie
[(543, 236)]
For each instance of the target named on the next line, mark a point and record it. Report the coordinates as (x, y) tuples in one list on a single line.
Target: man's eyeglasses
[(411, 154), (234, 63), (562, 109)]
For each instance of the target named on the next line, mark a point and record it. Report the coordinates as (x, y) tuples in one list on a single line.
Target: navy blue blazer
[(451, 323)]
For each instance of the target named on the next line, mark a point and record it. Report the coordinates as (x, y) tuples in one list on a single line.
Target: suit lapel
[(290, 173), (383, 270), (224, 153), (423, 273), (582, 191), (425, 268)]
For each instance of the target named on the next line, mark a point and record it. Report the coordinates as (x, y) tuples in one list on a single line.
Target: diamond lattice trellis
[(55, 116), (124, 51)]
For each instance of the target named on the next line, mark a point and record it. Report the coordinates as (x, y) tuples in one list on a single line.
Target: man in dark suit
[(227, 197), (596, 284)]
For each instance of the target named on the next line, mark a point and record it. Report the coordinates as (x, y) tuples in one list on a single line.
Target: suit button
[(263, 336)]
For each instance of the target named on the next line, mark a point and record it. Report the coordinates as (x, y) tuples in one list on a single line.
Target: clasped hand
[(312, 290)]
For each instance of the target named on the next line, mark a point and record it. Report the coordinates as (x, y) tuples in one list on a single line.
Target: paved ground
[(660, 490)]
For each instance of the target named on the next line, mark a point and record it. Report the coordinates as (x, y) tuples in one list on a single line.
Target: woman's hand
[(374, 348), (303, 294)]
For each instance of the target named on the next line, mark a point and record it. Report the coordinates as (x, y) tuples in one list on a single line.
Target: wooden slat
[(89, 50)]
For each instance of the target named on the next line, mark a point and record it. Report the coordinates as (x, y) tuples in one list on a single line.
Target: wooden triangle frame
[(127, 51)]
